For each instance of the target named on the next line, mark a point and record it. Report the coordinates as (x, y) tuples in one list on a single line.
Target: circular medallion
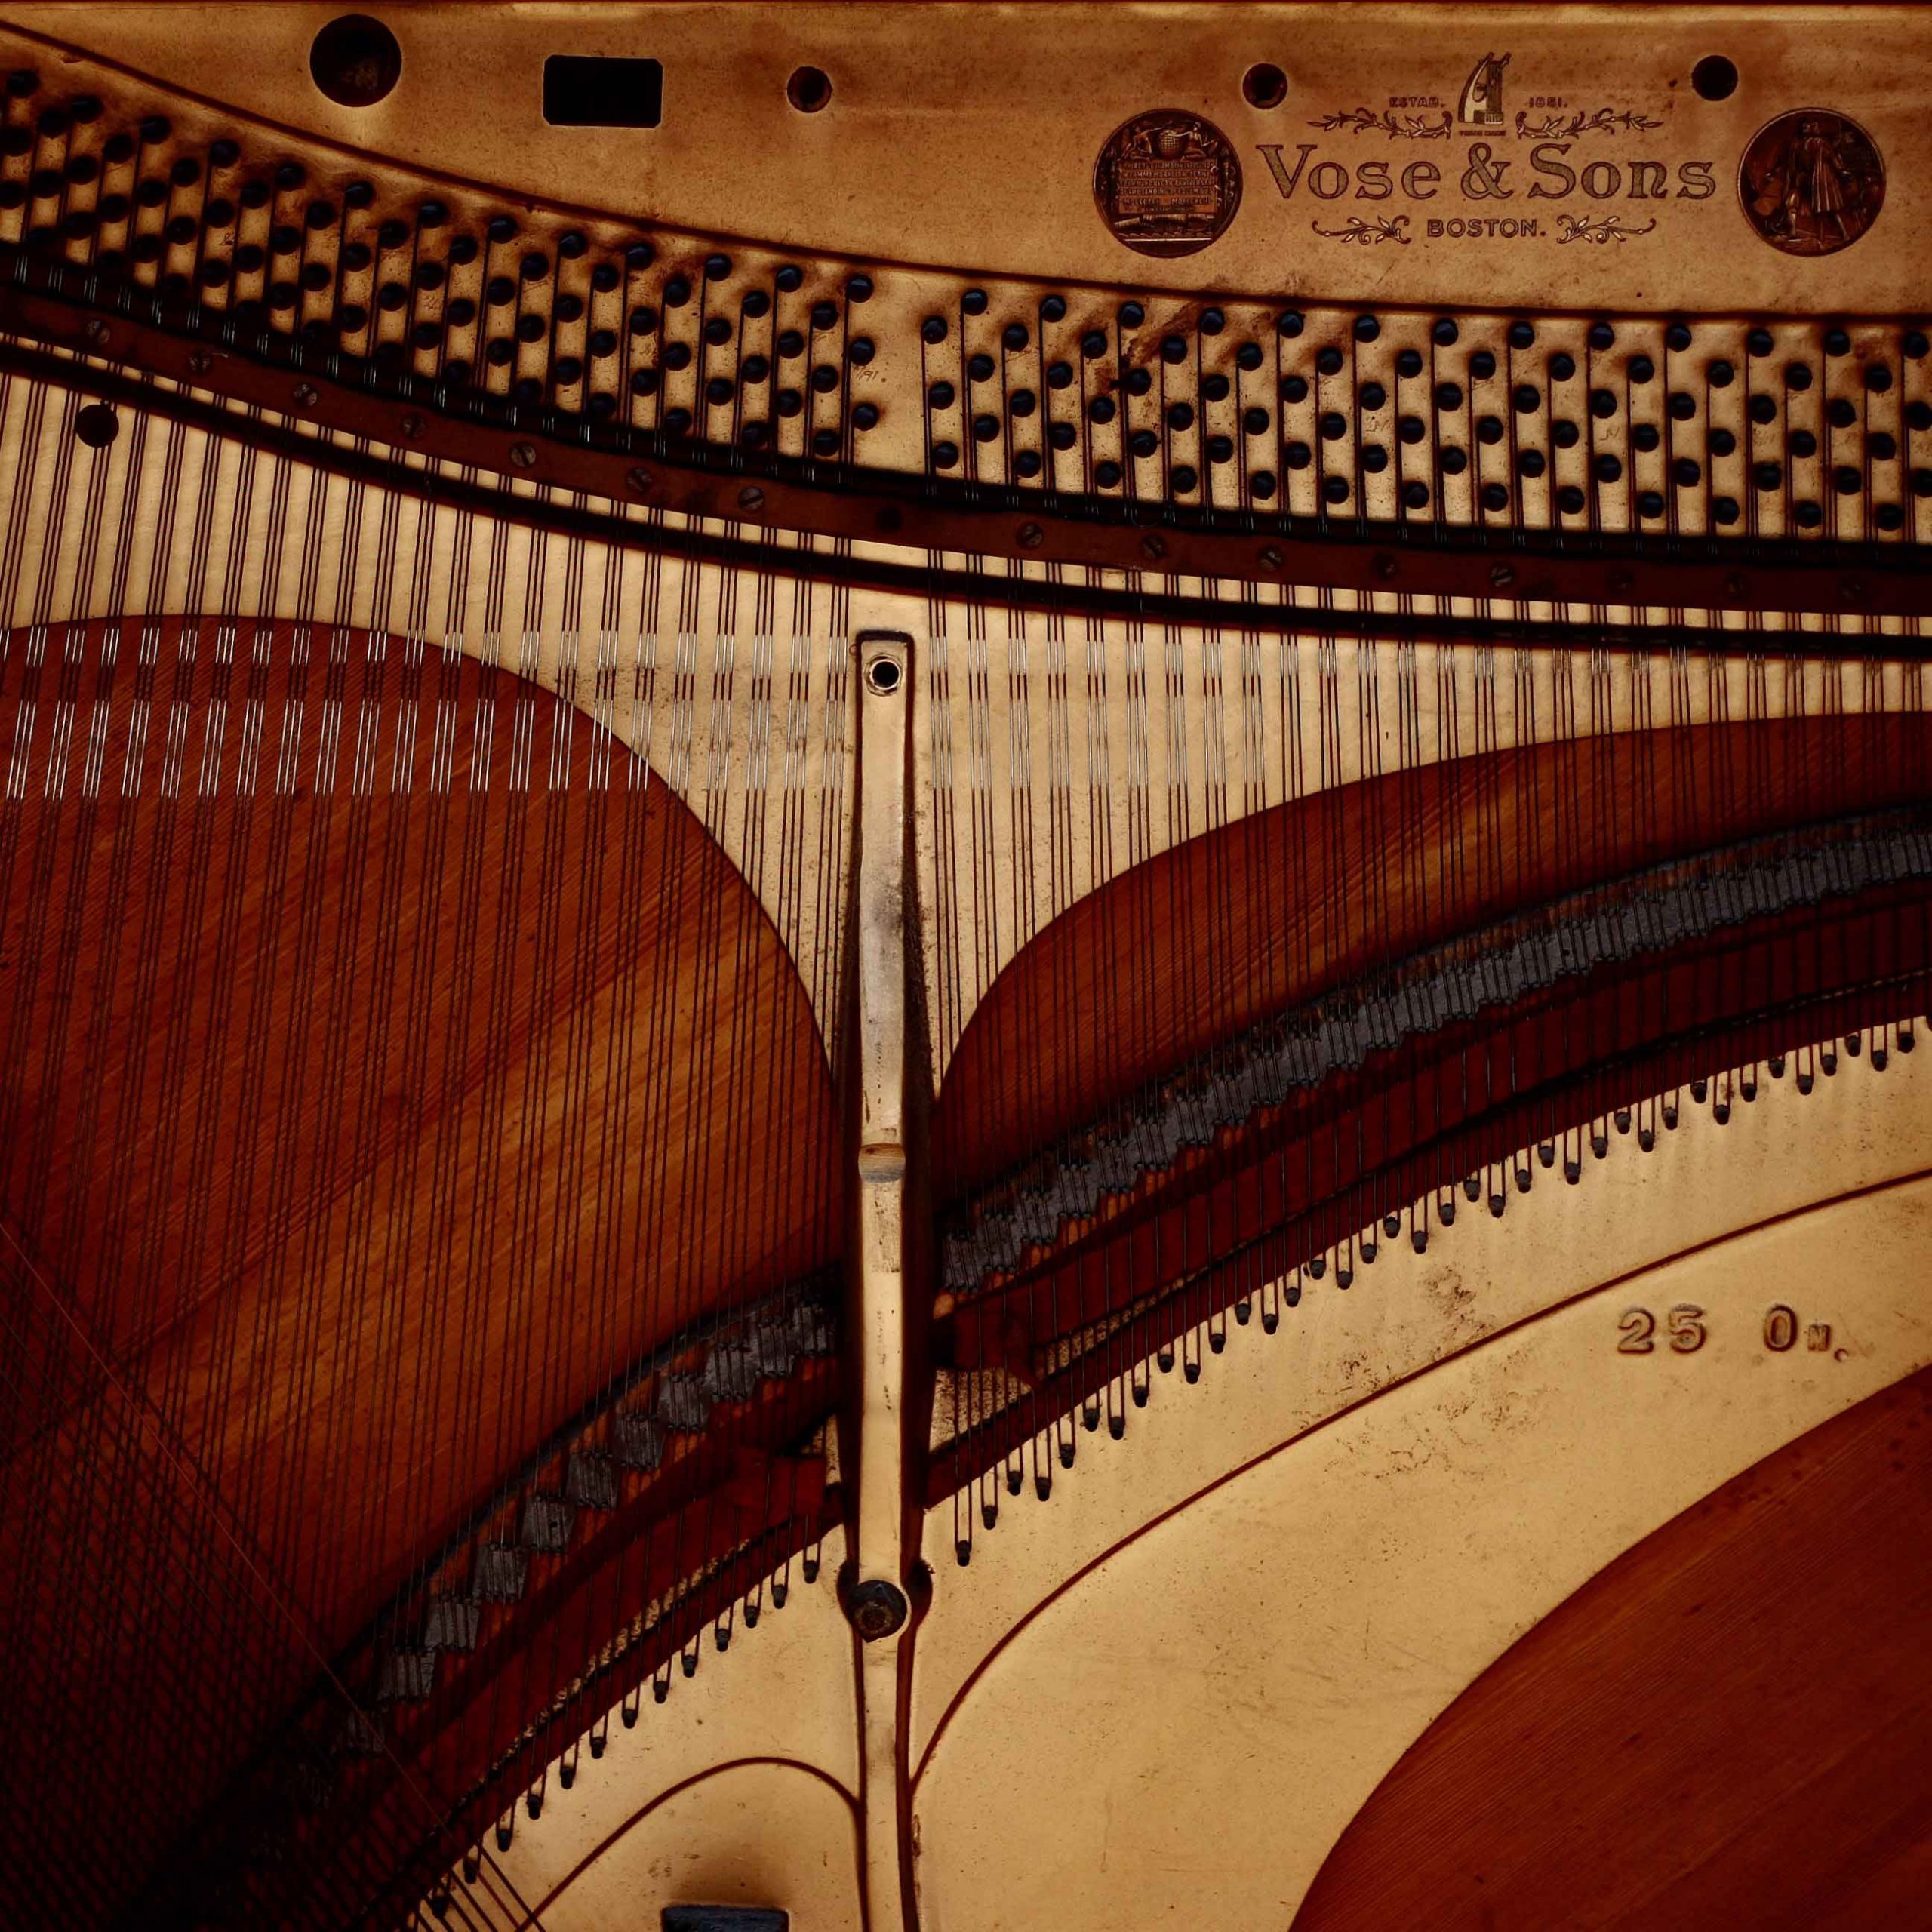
[(1168, 182), (1811, 182)]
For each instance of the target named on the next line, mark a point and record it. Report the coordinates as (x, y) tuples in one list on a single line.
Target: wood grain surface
[(387, 1065), (1729, 1726), (1188, 949)]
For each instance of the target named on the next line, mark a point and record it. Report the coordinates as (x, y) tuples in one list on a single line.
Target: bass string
[(1532, 700), (178, 756)]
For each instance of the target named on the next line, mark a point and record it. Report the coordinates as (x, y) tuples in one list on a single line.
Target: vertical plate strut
[(876, 1599)]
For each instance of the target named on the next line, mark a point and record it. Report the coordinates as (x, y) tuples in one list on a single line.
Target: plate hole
[(1265, 85), (96, 425), (1714, 78), (355, 60), (882, 675), (809, 89)]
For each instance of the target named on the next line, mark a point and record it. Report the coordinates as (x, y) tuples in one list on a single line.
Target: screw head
[(1386, 566), (305, 396), (1272, 556), (412, 426), (751, 497), (1153, 545), (1502, 575), (640, 480), (95, 329), (199, 361), (1030, 536), (524, 455), (876, 1609)]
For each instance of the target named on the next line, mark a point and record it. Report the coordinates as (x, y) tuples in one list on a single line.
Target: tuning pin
[(1524, 1176), (1066, 1453), (1116, 1426), (1016, 1480), (1090, 1416), (988, 1513), (780, 1590), (962, 1550), (1138, 1390), (1043, 1483), (1546, 1153), (1244, 1311), (1163, 1361)]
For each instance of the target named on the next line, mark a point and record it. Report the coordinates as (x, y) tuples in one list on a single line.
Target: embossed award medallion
[(1168, 182), (1811, 182)]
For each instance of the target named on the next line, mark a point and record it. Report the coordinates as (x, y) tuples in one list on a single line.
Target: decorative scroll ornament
[(1602, 121), (1383, 228), (1605, 228), (1404, 127), (1168, 182), (1811, 182)]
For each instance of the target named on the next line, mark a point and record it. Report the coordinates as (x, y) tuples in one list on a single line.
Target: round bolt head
[(876, 1610)]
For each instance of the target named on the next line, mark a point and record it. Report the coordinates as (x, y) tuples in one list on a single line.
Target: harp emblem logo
[(1481, 102), (1168, 182)]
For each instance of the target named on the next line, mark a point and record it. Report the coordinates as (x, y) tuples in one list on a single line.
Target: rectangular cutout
[(602, 90), (724, 1918)]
